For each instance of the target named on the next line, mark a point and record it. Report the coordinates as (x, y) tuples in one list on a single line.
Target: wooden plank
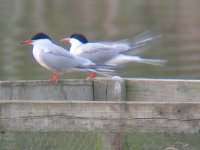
[(51, 116), (37, 90), (109, 89), (164, 90)]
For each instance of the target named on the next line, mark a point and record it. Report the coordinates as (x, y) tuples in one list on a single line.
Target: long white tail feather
[(155, 62), (123, 59)]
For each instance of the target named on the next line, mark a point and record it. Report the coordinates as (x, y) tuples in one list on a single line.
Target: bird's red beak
[(65, 40), (27, 42)]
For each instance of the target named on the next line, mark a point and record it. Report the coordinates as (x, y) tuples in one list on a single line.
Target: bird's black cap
[(79, 37), (40, 36)]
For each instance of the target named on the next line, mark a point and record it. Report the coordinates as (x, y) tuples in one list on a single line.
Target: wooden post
[(106, 89)]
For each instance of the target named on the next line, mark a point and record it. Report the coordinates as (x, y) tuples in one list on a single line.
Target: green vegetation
[(95, 141)]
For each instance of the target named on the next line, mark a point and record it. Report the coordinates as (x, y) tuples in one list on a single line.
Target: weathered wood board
[(103, 89), (165, 90), (110, 116), (37, 90), (109, 89), (102, 104)]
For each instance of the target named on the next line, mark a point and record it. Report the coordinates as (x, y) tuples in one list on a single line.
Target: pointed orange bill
[(27, 42)]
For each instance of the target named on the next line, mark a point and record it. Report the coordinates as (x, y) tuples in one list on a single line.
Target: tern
[(58, 59), (113, 53)]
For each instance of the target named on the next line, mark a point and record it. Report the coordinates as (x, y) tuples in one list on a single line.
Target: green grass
[(95, 141), (161, 141)]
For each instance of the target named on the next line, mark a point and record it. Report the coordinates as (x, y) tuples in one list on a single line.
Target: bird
[(58, 59), (113, 53)]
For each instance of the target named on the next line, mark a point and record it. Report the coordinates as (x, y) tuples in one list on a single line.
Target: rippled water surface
[(105, 20)]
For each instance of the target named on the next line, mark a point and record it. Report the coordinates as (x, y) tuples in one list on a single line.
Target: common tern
[(113, 53), (58, 59)]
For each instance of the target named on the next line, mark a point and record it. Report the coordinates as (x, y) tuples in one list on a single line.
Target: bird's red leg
[(93, 75), (54, 78)]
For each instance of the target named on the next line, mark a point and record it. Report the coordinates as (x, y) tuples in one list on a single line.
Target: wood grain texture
[(37, 90), (163, 90), (100, 116), (104, 89), (103, 104), (109, 89)]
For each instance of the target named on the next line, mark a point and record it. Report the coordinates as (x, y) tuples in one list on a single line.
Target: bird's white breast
[(37, 53)]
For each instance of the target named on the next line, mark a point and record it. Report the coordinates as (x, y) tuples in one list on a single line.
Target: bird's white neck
[(41, 42), (74, 46)]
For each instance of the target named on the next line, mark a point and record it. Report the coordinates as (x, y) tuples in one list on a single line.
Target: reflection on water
[(104, 20)]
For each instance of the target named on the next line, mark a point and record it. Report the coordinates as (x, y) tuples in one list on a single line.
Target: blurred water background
[(101, 20), (105, 20)]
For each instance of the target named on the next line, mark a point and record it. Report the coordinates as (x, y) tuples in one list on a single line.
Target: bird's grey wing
[(59, 59), (96, 46), (58, 50), (98, 52), (100, 55)]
